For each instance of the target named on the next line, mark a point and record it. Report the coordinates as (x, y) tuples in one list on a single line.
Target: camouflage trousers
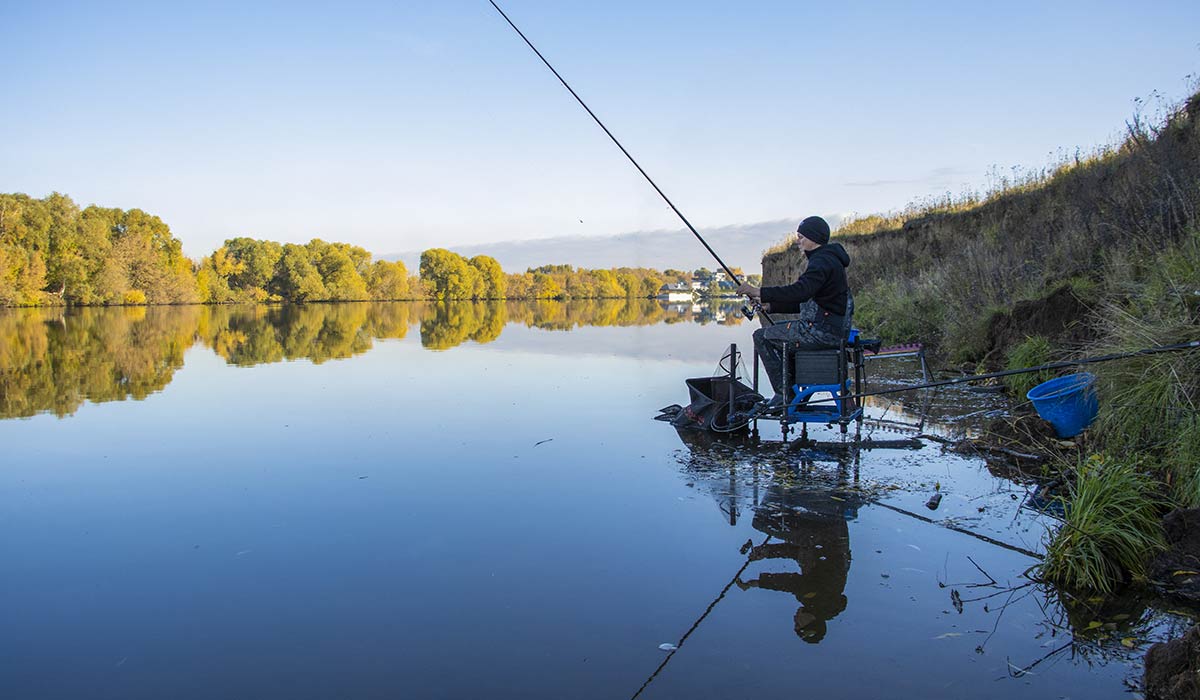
[(771, 340)]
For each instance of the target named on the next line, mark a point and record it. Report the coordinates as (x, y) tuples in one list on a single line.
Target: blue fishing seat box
[(821, 371)]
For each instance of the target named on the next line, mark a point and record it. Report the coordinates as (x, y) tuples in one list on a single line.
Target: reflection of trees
[(55, 359), (548, 314), (448, 324), (251, 335), (52, 360)]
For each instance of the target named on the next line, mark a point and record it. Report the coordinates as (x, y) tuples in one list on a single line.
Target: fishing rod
[(747, 312), (696, 624), (1190, 345), (1177, 347)]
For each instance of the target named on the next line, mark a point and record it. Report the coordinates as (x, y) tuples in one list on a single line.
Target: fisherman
[(821, 297)]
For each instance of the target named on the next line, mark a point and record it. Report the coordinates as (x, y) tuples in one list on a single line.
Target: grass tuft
[(1034, 351), (1183, 464), (1147, 402), (1111, 528)]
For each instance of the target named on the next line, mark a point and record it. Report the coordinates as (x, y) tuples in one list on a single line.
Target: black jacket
[(823, 281)]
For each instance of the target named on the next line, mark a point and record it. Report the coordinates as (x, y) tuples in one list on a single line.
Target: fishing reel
[(751, 309)]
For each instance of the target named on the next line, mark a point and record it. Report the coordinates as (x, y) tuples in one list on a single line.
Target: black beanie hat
[(814, 229)]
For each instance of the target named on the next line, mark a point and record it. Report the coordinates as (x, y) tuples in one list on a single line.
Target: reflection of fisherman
[(821, 296), (808, 522), (820, 544)]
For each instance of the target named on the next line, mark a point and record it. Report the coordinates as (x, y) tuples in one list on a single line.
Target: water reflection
[(448, 325), (52, 360), (133, 540), (253, 335), (802, 499), (812, 529)]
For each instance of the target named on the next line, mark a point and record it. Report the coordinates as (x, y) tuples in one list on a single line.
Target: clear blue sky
[(404, 125)]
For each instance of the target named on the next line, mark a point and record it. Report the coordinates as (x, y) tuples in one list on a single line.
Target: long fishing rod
[(696, 624), (1190, 345), (713, 253)]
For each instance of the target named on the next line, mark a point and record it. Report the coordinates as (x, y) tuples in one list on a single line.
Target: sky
[(405, 125)]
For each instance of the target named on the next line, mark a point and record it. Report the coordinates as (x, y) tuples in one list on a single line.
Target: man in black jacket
[(821, 296)]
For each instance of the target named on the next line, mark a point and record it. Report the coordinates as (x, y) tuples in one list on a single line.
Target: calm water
[(391, 500)]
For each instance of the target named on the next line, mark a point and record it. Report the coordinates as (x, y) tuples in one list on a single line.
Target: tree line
[(54, 252), (445, 274)]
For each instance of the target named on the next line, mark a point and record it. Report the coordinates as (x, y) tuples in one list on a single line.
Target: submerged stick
[(963, 530)]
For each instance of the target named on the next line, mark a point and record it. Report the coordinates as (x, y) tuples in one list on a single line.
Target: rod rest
[(866, 344)]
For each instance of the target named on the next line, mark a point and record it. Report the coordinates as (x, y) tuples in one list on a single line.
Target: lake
[(471, 500)]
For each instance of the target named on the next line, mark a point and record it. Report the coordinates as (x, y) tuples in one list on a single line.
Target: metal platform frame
[(810, 373)]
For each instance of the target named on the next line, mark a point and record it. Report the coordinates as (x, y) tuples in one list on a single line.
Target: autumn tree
[(251, 264), (545, 287), (492, 283), (448, 275), (388, 280), (296, 278)]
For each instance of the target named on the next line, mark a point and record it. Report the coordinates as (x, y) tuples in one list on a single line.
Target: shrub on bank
[(901, 311), (1150, 401), (1183, 464), (1150, 411), (1111, 528)]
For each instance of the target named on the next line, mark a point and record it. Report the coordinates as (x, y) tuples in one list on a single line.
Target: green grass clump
[(1032, 352), (1149, 402), (1183, 463), (1085, 288), (1111, 529), (967, 338), (901, 312)]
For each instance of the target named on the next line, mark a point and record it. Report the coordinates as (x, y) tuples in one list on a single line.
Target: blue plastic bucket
[(1068, 403)]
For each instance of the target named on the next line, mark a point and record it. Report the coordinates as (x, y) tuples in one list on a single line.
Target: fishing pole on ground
[(747, 311), (746, 418), (1190, 345)]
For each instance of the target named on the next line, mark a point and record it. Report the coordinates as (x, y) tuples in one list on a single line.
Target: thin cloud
[(936, 176)]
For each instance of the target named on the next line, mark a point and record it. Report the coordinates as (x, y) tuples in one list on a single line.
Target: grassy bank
[(1101, 254), (972, 278)]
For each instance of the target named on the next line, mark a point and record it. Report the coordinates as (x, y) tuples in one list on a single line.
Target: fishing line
[(653, 184)]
